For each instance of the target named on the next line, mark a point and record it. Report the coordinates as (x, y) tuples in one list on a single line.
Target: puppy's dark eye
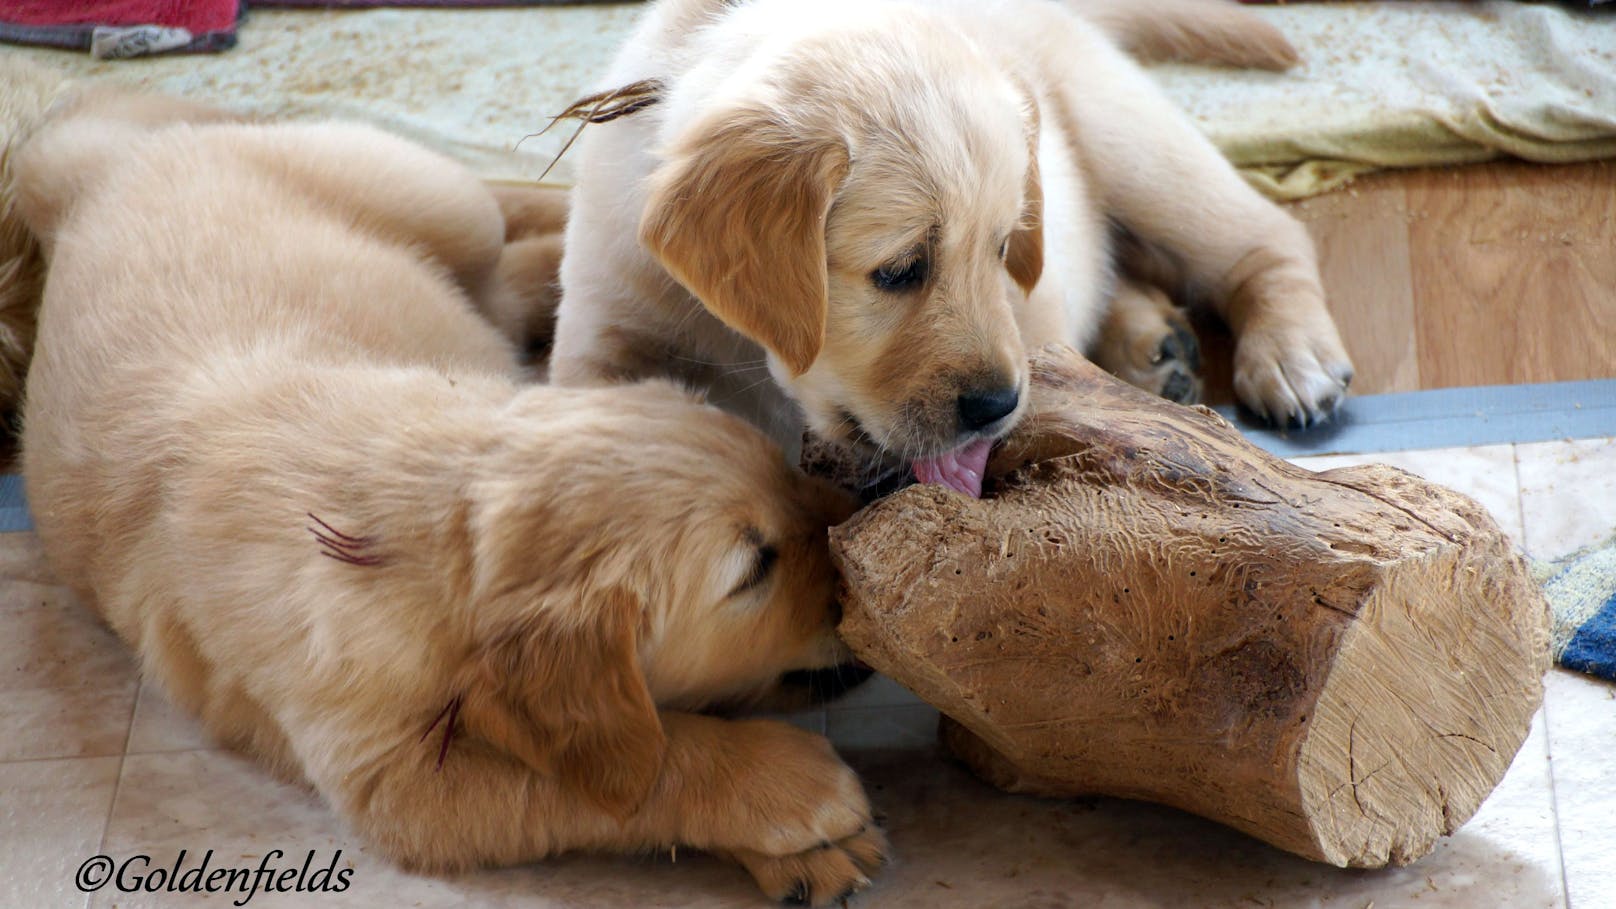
[(897, 277), (761, 567), (1004, 249)]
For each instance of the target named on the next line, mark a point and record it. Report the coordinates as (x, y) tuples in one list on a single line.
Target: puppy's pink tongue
[(960, 470)]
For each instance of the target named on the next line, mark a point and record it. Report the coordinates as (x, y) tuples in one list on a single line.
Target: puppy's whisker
[(690, 313), (450, 710), (728, 368), (745, 371), (741, 391)]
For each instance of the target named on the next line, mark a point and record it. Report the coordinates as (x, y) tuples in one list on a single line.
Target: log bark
[(1145, 605)]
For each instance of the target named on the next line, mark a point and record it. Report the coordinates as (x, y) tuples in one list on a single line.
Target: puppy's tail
[(27, 91), (1216, 32)]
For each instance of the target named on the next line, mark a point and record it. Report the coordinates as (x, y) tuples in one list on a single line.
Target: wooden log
[(1144, 605)]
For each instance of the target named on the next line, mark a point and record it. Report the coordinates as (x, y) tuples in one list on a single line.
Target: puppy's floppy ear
[(737, 214), (562, 691), (1025, 258)]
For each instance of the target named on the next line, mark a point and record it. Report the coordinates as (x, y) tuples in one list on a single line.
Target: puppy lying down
[(268, 439), (880, 206)]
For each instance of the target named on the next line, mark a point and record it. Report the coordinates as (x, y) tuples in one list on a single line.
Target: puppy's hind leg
[(1165, 184), (1214, 32)]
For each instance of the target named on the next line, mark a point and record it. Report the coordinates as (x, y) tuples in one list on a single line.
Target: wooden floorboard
[(1364, 257), (1493, 274), (1515, 271)]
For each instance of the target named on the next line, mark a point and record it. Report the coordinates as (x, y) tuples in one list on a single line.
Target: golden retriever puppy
[(880, 205), (267, 437)]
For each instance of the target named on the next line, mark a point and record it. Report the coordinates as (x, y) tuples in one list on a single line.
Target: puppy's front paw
[(826, 874), (1291, 376), (784, 791)]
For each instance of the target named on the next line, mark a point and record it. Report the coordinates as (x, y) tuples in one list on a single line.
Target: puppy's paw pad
[(1165, 360), (1173, 370)]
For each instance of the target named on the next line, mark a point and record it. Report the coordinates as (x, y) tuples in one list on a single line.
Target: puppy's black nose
[(983, 407)]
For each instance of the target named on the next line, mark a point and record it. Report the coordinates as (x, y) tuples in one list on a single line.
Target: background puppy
[(882, 204), (268, 439)]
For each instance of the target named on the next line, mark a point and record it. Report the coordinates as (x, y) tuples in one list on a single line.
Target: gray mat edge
[(1448, 418)]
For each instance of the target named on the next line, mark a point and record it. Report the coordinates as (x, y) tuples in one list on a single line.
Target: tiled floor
[(92, 762)]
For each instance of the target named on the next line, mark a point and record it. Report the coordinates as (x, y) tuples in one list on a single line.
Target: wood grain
[(1515, 273), (1492, 274), (1364, 259), (1147, 606)]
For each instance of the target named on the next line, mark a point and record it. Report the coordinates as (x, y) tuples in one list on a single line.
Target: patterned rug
[(1582, 595)]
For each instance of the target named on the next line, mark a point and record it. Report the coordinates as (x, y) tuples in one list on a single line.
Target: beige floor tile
[(1520, 813), (960, 844), (160, 726), (1582, 742), (52, 814), (1486, 473), (22, 559), (1568, 495), (67, 684)]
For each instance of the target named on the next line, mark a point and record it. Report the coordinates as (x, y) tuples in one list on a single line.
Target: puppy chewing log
[(1342, 664)]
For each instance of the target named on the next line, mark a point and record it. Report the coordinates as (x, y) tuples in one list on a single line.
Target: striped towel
[(113, 29), (1581, 590), (116, 29)]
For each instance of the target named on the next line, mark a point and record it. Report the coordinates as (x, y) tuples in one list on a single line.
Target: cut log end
[(1341, 664), (1431, 693)]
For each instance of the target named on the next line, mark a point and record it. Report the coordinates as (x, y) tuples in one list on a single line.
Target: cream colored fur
[(270, 442), (731, 234)]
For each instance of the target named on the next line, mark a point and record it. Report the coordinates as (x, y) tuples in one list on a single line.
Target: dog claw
[(797, 896), (852, 890)]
